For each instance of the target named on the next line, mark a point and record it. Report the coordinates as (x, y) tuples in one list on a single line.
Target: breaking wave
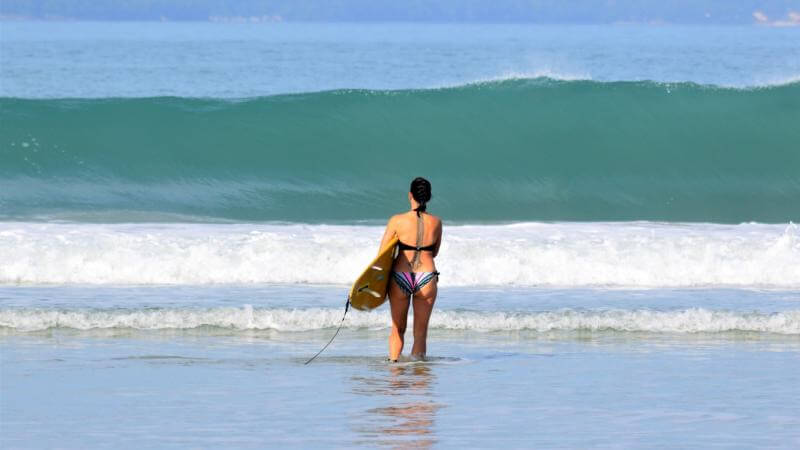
[(695, 320), (517, 149), (632, 254)]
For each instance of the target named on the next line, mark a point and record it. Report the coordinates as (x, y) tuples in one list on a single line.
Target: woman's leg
[(423, 306), (398, 301)]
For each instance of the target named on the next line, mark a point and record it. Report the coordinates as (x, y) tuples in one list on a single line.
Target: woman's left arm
[(438, 239)]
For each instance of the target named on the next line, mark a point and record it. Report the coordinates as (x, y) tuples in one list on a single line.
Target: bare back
[(404, 226)]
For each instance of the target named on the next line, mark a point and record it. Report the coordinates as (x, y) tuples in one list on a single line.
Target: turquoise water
[(183, 206), (516, 150)]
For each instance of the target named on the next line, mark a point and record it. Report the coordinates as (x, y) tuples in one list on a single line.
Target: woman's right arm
[(388, 234)]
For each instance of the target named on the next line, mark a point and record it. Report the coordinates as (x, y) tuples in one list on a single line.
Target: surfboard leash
[(346, 308)]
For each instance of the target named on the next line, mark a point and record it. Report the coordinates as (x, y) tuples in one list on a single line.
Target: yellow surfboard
[(370, 289)]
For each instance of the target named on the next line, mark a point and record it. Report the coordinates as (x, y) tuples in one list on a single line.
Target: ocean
[(184, 205)]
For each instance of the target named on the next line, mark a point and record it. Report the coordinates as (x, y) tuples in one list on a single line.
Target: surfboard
[(371, 288)]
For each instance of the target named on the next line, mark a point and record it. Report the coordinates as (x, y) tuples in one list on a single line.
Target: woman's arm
[(388, 234)]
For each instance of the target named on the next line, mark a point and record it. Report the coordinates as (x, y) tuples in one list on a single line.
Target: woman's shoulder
[(433, 220), (410, 216), (397, 217)]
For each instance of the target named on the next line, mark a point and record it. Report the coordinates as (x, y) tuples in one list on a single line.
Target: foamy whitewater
[(183, 207), (638, 254), (695, 320)]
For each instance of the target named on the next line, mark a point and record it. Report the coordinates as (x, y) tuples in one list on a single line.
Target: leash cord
[(346, 308)]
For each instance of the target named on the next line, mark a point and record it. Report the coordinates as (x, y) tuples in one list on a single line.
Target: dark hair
[(421, 191)]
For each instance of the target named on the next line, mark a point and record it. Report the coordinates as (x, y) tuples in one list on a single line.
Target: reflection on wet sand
[(408, 418)]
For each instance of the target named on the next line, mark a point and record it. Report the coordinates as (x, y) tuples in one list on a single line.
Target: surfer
[(414, 275)]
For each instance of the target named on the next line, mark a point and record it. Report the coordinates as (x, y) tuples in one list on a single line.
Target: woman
[(414, 273)]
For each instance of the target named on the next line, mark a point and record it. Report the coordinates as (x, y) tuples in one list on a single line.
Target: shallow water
[(248, 387)]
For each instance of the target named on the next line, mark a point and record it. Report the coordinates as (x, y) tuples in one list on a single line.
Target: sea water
[(183, 207), (208, 366), (146, 59)]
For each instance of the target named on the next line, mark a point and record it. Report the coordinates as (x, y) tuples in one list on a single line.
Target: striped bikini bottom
[(411, 282)]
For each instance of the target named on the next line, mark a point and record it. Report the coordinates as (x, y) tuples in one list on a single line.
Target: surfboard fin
[(369, 291)]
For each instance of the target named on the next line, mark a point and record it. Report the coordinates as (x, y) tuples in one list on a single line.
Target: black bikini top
[(428, 248)]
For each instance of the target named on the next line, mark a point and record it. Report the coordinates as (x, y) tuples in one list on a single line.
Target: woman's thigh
[(398, 302), (423, 302)]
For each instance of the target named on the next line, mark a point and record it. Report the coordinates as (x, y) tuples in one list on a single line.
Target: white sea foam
[(527, 254), (695, 320), (519, 75), (778, 81), (755, 83)]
